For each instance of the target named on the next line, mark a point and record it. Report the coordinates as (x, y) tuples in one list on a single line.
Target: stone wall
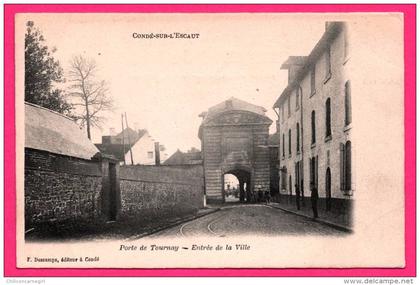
[(156, 191), (70, 192), (60, 189)]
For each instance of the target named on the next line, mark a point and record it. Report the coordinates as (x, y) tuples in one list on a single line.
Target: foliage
[(42, 71)]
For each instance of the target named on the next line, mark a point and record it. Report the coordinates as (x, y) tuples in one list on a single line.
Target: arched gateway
[(234, 138)]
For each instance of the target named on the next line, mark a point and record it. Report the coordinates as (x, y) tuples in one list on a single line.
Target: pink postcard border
[(409, 11)]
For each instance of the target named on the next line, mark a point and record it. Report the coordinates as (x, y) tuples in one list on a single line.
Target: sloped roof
[(53, 132), (331, 32), (115, 150), (294, 60), (229, 105), (129, 133), (236, 104), (119, 150), (182, 158)]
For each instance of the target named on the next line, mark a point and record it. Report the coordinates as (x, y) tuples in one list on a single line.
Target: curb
[(320, 221), (176, 223)]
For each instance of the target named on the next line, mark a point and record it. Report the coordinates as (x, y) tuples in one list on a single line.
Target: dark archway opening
[(237, 186)]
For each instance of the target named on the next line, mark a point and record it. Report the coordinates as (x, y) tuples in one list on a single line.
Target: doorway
[(231, 188), (237, 186)]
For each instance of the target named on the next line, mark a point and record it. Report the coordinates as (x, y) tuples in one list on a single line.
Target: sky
[(164, 84)]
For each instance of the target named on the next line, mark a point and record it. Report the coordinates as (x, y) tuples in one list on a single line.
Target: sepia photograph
[(179, 140)]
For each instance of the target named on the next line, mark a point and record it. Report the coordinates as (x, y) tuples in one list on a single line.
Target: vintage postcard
[(209, 140)]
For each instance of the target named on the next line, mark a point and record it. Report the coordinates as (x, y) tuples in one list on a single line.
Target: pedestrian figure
[(267, 197), (260, 196), (314, 199), (297, 196)]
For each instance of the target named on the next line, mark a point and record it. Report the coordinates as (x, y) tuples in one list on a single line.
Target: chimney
[(112, 132), (277, 126), (157, 153), (293, 64)]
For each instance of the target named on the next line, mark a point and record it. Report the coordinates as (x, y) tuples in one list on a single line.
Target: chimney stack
[(293, 64), (157, 153)]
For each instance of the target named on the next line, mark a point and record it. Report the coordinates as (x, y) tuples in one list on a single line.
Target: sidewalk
[(326, 218)]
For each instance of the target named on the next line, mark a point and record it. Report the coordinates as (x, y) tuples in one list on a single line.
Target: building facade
[(234, 136), (315, 124), (132, 147)]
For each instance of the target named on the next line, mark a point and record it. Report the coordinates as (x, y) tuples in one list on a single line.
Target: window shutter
[(310, 173), (342, 166), (301, 176), (316, 171)]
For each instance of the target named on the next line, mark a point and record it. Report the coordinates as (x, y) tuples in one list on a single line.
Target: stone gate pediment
[(238, 118)]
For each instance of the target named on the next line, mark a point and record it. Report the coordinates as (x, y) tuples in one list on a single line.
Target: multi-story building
[(315, 124)]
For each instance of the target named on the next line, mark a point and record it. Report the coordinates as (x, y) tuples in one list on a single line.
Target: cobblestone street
[(248, 219)]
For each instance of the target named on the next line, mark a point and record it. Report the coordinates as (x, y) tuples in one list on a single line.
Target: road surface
[(245, 219)]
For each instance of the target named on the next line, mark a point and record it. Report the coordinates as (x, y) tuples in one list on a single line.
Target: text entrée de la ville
[(193, 247)]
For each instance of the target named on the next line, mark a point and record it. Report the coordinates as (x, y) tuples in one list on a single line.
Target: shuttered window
[(328, 117), (297, 137), (347, 103), (283, 145), (345, 167), (313, 127), (313, 80), (348, 166), (328, 63), (298, 93)]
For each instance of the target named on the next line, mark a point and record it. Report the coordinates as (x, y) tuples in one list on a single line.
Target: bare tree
[(91, 94)]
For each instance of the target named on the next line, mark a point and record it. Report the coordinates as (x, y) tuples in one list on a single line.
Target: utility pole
[(129, 141), (122, 132)]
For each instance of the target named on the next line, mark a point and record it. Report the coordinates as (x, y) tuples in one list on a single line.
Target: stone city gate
[(234, 138)]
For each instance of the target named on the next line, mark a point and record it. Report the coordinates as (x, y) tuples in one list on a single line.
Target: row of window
[(345, 174), (347, 93), (328, 72), (328, 133), (347, 102)]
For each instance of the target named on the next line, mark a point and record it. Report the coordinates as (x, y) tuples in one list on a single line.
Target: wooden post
[(129, 141), (122, 132)]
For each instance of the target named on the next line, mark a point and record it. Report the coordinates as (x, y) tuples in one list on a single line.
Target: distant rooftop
[(182, 158), (232, 104), (114, 145)]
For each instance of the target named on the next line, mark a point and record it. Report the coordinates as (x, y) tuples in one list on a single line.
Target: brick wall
[(60, 189), (152, 191)]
